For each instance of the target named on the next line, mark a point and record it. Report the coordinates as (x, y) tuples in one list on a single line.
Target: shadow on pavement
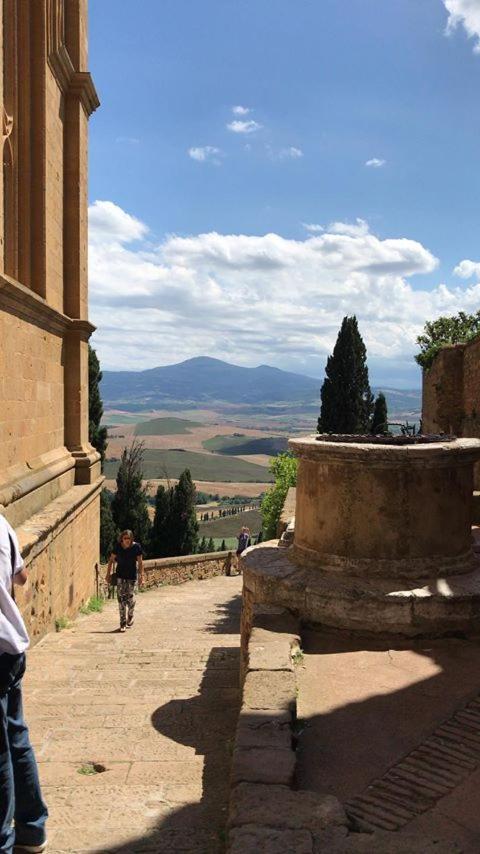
[(206, 722)]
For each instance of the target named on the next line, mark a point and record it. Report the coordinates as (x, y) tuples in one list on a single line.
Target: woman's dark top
[(127, 560)]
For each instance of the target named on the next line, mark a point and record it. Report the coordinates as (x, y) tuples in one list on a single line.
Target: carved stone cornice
[(83, 327), (25, 303), (62, 66), (82, 86), (79, 84)]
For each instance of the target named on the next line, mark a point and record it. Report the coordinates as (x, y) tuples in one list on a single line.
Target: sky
[(261, 168)]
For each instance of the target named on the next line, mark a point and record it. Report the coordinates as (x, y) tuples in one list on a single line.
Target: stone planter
[(382, 542), (371, 510)]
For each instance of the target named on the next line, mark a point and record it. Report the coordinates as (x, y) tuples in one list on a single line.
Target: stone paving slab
[(366, 707), (156, 706)]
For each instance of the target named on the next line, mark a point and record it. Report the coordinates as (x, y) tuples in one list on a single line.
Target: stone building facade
[(451, 393), (50, 476)]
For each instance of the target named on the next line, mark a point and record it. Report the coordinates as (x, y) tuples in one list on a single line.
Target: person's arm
[(141, 574), (110, 564), (20, 577)]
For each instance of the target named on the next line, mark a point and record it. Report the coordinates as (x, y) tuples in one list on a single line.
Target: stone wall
[(451, 394), (60, 547), (177, 570), (49, 474), (266, 813)]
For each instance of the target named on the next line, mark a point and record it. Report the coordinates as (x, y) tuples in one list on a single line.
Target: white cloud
[(127, 140), (357, 229), (464, 13), (241, 111), (206, 153), (110, 224), (313, 227), (291, 152), (376, 162), (467, 269), (249, 126), (252, 299)]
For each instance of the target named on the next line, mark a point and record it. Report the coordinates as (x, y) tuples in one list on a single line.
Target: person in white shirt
[(23, 813)]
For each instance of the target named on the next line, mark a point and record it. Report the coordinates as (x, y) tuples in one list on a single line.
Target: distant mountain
[(206, 382)]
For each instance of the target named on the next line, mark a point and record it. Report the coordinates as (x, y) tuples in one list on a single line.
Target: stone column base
[(432, 607)]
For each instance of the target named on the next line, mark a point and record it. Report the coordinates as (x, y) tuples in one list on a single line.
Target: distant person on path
[(243, 540), (23, 813), (127, 555)]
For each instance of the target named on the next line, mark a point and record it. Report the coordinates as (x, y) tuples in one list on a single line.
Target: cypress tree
[(107, 526), (202, 547), (380, 416), (183, 517), (97, 435), (160, 536), (210, 545), (223, 547), (130, 505), (347, 401)]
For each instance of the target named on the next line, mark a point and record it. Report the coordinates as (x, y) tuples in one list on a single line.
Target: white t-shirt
[(13, 634)]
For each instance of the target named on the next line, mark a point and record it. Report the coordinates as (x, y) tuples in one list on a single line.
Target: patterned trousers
[(126, 599)]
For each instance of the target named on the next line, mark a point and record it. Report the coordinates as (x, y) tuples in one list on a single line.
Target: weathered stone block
[(280, 807), (263, 765), (264, 729), (269, 690), (269, 654), (266, 840)]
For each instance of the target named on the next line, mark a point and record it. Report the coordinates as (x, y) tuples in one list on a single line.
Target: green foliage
[(183, 516), (284, 470), (455, 329), (210, 545), (223, 546), (160, 538), (202, 546), (107, 525), (94, 605), (62, 623), (130, 505), (380, 416), (347, 401), (97, 435)]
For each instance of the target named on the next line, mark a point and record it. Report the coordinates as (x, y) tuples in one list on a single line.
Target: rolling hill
[(203, 382)]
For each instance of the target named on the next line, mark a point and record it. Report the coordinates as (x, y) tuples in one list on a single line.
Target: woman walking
[(127, 556)]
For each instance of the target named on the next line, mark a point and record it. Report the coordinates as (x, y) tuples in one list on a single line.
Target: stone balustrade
[(177, 570)]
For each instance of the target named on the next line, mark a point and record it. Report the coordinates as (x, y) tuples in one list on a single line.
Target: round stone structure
[(392, 511), (382, 542)]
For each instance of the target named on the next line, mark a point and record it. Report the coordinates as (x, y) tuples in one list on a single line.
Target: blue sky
[(184, 187)]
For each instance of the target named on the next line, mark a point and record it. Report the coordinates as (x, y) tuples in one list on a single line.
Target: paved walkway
[(156, 707), (371, 711)]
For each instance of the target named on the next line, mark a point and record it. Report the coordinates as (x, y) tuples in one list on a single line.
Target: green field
[(229, 526), (110, 419), (230, 542), (165, 427), (159, 464), (240, 445)]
